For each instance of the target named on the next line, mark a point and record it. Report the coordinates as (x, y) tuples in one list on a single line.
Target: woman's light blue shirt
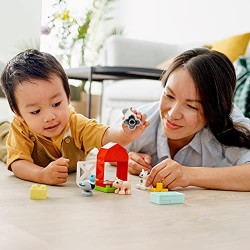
[(203, 150)]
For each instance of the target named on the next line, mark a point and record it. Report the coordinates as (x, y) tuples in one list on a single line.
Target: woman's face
[(180, 109)]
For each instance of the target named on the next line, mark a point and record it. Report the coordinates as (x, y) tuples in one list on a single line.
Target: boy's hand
[(56, 172), (136, 127), (137, 162)]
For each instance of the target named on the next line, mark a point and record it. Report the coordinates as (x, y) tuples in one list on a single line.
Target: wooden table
[(66, 220)]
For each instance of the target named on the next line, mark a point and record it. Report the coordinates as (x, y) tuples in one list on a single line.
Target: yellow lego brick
[(158, 188), (38, 192)]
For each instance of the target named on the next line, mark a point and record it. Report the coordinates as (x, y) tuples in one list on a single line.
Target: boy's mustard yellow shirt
[(87, 134)]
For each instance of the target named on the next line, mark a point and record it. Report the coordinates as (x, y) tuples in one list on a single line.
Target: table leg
[(89, 93), (101, 99)]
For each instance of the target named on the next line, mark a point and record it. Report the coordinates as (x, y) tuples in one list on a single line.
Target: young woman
[(196, 137)]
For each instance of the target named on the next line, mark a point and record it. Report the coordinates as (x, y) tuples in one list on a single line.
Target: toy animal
[(130, 119), (122, 187), (142, 181), (88, 185)]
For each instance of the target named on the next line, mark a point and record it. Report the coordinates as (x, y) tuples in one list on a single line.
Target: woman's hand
[(56, 172), (137, 162), (170, 173)]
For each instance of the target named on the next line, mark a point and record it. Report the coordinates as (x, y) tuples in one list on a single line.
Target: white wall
[(182, 21), (156, 20), (20, 22)]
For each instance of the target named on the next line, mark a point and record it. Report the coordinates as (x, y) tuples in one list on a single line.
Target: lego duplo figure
[(88, 185), (122, 187), (130, 119), (142, 181)]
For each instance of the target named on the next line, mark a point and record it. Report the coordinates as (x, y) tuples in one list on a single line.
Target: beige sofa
[(5, 111)]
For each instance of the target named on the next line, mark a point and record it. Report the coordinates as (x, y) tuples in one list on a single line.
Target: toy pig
[(122, 187)]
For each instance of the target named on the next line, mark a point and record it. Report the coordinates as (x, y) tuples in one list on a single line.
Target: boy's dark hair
[(215, 80), (27, 65)]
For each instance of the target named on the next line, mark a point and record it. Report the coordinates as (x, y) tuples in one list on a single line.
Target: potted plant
[(80, 37)]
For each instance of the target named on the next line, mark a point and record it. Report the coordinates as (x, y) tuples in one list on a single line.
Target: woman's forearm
[(224, 178)]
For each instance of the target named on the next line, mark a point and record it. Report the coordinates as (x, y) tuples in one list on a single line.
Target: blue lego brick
[(167, 197)]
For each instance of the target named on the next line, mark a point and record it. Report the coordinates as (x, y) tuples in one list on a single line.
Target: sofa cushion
[(233, 46), (134, 90), (165, 64), (178, 49), (2, 65)]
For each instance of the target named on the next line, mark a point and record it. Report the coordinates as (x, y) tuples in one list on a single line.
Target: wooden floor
[(66, 220)]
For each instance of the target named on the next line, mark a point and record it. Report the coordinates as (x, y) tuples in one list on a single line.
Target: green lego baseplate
[(106, 189)]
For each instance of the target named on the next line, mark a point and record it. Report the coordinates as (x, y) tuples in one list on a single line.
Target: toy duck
[(88, 185)]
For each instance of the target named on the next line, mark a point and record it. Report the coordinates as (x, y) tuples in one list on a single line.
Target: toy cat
[(142, 181)]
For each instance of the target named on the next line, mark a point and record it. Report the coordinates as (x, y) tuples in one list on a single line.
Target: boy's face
[(43, 105)]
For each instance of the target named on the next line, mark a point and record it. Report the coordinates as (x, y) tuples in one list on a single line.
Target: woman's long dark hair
[(215, 79)]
